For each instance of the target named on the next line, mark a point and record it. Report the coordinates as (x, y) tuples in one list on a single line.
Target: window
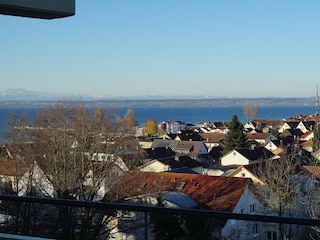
[(272, 236), (141, 186), (126, 215), (243, 174), (251, 208), (255, 230), (180, 185)]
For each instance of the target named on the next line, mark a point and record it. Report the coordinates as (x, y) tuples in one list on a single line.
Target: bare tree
[(281, 192), (75, 146), (250, 111)]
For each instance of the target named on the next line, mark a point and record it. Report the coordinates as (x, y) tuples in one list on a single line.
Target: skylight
[(180, 185), (141, 186)]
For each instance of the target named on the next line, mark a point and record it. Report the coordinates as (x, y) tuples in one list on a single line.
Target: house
[(250, 126), (193, 191), (307, 136), (291, 135), (173, 164), (245, 156), (212, 139), (194, 149), (159, 153), (314, 171), (24, 179), (261, 138), (154, 166), (145, 143), (172, 126), (188, 135), (304, 126), (113, 170), (307, 145), (288, 125), (280, 184), (248, 171), (271, 145)]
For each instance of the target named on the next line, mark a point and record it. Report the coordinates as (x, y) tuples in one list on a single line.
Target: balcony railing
[(32, 205)]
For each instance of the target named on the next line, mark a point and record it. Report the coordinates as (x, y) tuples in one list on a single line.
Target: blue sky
[(130, 48)]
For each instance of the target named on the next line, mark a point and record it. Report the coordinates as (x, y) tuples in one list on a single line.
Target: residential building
[(194, 149), (193, 191), (245, 156)]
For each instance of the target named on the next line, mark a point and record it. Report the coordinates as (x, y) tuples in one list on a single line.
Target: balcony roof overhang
[(44, 9)]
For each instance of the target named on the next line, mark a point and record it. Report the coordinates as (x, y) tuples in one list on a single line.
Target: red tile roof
[(308, 143), (314, 170), (211, 192), (10, 167), (212, 137), (258, 135)]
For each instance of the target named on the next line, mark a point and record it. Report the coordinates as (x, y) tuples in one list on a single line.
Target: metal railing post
[(146, 225)]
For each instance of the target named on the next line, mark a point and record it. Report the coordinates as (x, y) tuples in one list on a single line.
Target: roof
[(292, 124), (308, 143), (291, 132), (191, 146), (164, 143), (211, 192), (11, 167), (261, 136), (183, 170), (159, 153), (180, 199), (277, 151), (306, 134), (187, 135), (267, 122), (256, 169), (212, 137), (308, 124), (314, 170), (182, 161), (255, 153)]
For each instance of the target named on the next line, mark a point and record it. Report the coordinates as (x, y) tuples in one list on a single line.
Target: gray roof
[(157, 143)]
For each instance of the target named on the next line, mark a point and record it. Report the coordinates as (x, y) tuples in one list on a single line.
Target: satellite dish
[(44, 9)]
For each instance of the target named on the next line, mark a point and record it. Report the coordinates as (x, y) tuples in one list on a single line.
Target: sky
[(127, 48)]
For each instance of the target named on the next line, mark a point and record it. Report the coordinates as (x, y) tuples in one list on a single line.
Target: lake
[(186, 114)]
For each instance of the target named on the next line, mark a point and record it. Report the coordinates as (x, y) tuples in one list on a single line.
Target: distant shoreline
[(213, 102)]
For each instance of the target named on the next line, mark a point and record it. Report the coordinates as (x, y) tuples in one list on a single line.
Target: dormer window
[(141, 186), (180, 185)]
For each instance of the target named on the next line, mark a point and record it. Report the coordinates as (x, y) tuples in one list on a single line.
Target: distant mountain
[(24, 97), (21, 94)]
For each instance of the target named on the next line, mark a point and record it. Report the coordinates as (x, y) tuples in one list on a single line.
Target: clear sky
[(228, 48)]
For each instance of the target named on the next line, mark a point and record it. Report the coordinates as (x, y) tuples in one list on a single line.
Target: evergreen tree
[(235, 138), (316, 138)]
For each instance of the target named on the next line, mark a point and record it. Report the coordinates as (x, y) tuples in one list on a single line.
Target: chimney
[(252, 146)]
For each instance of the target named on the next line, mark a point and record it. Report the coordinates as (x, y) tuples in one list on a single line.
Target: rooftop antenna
[(317, 101)]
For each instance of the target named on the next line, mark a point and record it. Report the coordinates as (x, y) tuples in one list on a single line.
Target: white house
[(245, 156), (154, 166), (114, 170), (24, 179)]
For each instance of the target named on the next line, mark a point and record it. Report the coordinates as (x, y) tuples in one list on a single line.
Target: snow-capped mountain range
[(21, 94)]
